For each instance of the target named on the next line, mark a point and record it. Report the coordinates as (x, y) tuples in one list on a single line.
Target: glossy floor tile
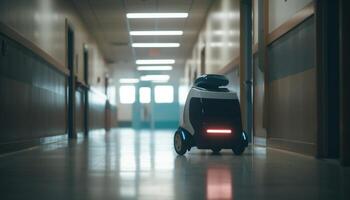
[(128, 164)]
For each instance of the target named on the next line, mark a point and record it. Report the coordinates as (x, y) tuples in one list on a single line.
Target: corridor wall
[(33, 71), (219, 38), (33, 95), (292, 90), (285, 114)]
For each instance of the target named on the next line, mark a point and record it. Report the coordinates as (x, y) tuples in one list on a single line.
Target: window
[(145, 94), (127, 94), (164, 94)]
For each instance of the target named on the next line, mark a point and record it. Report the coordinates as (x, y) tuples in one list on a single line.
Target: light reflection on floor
[(219, 183), (129, 164)]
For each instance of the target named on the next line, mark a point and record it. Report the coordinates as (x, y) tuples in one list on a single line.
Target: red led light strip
[(224, 131)]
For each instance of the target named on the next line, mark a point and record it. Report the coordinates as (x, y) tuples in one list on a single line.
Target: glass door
[(142, 108)]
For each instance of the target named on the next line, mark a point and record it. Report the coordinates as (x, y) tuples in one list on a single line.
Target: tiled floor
[(127, 164)]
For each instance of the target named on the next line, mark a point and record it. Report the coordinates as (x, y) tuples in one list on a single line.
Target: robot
[(211, 118)]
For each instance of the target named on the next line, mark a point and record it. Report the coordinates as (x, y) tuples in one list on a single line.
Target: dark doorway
[(71, 82), (86, 89), (344, 39), (203, 60), (195, 75), (327, 57), (333, 80)]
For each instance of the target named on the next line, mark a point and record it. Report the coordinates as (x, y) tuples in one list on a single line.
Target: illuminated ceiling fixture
[(155, 78), (151, 33), (155, 62), (146, 45), (155, 68), (128, 80), (156, 15)]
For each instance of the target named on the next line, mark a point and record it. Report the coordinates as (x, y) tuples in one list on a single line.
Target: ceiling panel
[(156, 24)]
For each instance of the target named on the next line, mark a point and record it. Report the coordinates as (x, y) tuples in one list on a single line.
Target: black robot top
[(212, 82)]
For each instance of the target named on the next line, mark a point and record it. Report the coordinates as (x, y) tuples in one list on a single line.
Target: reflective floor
[(125, 164)]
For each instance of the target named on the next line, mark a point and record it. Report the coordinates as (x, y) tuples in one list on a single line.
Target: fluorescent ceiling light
[(128, 80), (155, 78), (155, 68), (156, 15), (156, 33), (143, 45), (155, 61)]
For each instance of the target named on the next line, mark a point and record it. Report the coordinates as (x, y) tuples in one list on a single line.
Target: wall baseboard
[(260, 141), (25, 144), (293, 146)]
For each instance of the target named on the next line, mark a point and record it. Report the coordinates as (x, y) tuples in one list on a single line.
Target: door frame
[(328, 93), (70, 56), (86, 89), (137, 106)]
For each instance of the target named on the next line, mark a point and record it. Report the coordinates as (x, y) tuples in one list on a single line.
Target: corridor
[(129, 164), (174, 99)]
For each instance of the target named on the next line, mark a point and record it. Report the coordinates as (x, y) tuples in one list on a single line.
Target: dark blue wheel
[(180, 143), (238, 150)]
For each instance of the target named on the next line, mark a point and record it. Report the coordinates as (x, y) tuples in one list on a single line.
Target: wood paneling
[(79, 110), (33, 95), (111, 116), (97, 105), (292, 116), (259, 130)]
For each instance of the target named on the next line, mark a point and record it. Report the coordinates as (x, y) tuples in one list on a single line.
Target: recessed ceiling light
[(146, 45), (155, 61), (155, 78), (155, 68), (156, 15), (128, 80), (151, 33)]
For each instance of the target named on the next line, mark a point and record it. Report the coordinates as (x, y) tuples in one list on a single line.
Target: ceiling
[(107, 22)]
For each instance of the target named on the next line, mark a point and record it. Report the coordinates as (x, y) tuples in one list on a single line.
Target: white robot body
[(196, 92), (211, 118)]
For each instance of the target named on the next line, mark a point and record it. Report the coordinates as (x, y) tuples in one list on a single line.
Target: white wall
[(126, 70), (255, 22), (220, 36), (43, 23), (122, 70), (282, 10)]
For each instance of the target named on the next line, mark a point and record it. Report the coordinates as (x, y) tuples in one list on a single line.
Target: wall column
[(344, 56), (262, 55), (246, 61), (327, 60), (71, 82)]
